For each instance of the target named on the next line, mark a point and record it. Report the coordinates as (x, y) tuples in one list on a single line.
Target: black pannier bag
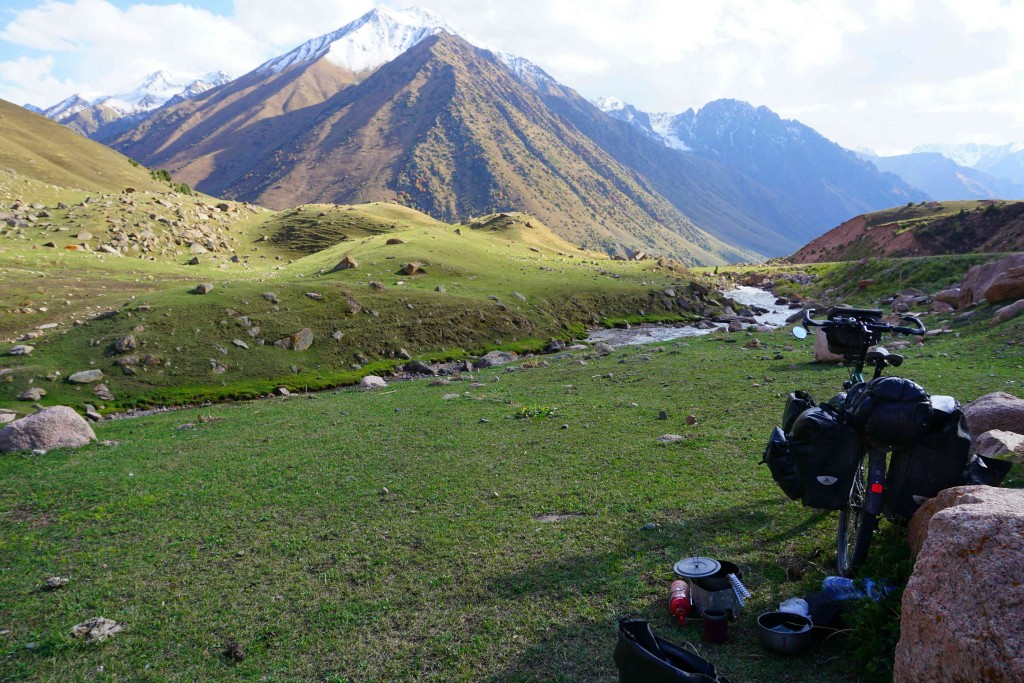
[(933, 462), (783, 465), (890, 410), (796, 403), (826, 451), (845, 341), (642, 657), (984, 471)]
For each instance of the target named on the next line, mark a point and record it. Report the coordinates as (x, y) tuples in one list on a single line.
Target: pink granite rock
[(961, 618), (999, 279), (54, 427), (994, 411)]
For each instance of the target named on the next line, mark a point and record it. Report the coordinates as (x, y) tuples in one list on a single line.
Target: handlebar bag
[(826, 451), (890, 410), (782, 462), (642, 657), (935, 461), (844, 340)]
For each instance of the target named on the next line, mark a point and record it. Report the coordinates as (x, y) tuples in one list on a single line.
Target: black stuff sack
[(935, 461), (642, 657), (782, 462), (890, 410), (984, 471), (826, 451), (796, 403)]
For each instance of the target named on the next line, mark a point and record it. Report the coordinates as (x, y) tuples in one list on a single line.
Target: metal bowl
[(784, 632)]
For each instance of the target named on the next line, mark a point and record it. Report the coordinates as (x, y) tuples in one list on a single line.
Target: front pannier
[(890, 410), (826, 451), (935, 461), (783, 465)]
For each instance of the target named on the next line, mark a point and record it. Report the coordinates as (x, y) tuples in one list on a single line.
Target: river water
[(647, 333)]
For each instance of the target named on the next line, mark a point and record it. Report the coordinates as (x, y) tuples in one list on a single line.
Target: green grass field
[(266, 523)]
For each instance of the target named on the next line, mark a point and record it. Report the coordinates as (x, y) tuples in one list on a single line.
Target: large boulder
[(997, 443), (994, 411), (821, 352), (300, 341), (54, 427), (1006, 312), (961, 608), (86, 376), (345, 264), (949, 296), (372, 382), (997, 281)]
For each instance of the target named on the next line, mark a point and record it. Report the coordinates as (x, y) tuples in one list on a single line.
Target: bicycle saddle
[(880, 354)]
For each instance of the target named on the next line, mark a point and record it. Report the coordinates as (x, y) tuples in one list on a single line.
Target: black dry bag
[(642, 657)]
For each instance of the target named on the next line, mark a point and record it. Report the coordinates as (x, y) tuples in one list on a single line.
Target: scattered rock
[(395, 240), (21, 350), (440, 288), (346, 263), (450, 397), (300, 341), (440, 382), (337, 335), (271, 297), (519, 296), (950, 297), (495, 358), (372, 382), (217, 367), (972, 632), (102, 392), (54, 427), (239, 343), (603, 348), (669, 438), (7, 416), (1006, 312), (998, 442), (377, 286), (234, 652), (32, 394), (662, 415), (96, 629), (55, 582), (282, 391), (203, 288), (315, 296), (691, 419), (418, 367), (86, 376), (126, 344), (1000, 411), (413, 268)]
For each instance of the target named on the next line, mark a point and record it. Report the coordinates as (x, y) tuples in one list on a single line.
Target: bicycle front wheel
[(855, 525)]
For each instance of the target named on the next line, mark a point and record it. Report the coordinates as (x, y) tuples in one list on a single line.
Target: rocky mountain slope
[(445, 128), (819, 181), (926, 229)]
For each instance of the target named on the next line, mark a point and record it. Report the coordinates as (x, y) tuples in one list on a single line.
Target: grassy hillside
[(499, 281), (40, 149), (924, 229), (425, 533)]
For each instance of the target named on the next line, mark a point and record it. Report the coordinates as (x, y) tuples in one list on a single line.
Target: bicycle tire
[(856, 526)]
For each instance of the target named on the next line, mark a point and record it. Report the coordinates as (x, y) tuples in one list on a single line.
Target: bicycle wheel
[(855, 525)]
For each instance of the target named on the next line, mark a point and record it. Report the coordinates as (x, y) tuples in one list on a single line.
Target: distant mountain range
[(944, 179), (398, 106)]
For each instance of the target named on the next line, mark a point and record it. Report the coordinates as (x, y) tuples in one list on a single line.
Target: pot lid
[(697, 567)]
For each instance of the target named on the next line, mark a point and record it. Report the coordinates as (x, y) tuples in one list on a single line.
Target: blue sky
[(882, 74)]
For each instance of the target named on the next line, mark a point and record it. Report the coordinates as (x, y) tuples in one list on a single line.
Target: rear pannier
[(935, 461)]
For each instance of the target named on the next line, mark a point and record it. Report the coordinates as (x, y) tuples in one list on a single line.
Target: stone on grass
[(271, 297), (55, 582), (239, 343), (32, 394), (413, 268), (345, 264), (418, 367), (495, 358), (821, 352), (603, 348), (300, 341), (315, 296), (998, 442), (961, 608), (86, 376), (7, 416), (126, 344), (203, 288), (282, 391), (999, 410), (372, 382), (21, 350), (54, 427), (669, 438), (96, 630), (1007, 312), (395, 240), (102, 392)]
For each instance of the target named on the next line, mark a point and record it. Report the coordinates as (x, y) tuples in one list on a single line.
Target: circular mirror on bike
[(799, 332)]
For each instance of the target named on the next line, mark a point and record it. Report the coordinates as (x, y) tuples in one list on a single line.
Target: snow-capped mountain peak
[(973, 155), (67, 107), (607, 104), (370, 41)]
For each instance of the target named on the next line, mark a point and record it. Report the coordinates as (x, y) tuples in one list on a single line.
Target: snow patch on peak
[(66, 107), (661, 123), (524, 69), (607, 104), (370, 41)]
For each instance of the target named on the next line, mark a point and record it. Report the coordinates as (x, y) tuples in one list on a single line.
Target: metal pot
[(784, 632)]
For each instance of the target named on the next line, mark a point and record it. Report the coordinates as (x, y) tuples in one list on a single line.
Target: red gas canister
[(679, 601)]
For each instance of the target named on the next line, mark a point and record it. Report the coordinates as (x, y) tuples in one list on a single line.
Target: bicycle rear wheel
[(855, 525)]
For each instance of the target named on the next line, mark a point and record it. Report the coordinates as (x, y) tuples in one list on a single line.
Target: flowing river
[(651, 333)]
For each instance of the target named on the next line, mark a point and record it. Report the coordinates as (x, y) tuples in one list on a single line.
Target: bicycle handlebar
[(840, 321)]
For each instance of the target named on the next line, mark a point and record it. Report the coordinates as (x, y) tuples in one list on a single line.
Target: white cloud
[(899, 71)]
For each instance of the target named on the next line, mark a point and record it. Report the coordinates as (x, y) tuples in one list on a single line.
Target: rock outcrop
[(54, 427), (961, 608), (994, 282)]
